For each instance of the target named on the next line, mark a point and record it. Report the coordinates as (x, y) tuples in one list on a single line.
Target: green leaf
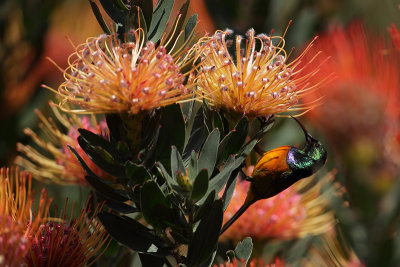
[(220, 180), (231, 255), (133, 20), (189, 28), (244, 249), (115, 126), (229, 189), (205, 207), (234, 140), (205, 239), (178, 24), (104, 189), (101, 158), (200, 185), (160, 18), (193, 170), (137, 174), (112, 10), (97, 140), (121, 5), (96, 182), (155, 206), (197, 134), (117, 206), (208, 155), (147, 7), (132, 234), (177, 166), (172, 133), (168, 178), (99, 17)]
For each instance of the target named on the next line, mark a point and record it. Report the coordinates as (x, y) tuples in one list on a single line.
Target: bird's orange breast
[(274, 160), (268, 172)]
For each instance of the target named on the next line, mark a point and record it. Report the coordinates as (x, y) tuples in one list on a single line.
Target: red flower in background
[(362, 105)]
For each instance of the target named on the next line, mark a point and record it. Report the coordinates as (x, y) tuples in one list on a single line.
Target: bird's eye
[(317, 145)]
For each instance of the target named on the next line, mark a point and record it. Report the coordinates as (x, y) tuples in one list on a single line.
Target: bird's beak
[(308, 136)]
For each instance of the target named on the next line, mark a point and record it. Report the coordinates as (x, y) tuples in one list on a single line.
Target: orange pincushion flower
[(363, 103), (18, 222), (366, 87), (258, 81), (107, 76), (68, 243), (62, 167), (290, 214)]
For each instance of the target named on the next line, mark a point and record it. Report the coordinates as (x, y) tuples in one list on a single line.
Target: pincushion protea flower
[(18, 222), (107, 76), (257, 81), (62, 167), (362, 106), (296, 212), (69, 243)]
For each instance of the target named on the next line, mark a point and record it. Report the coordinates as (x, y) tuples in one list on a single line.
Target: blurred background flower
[(52, 161), (300, 210)]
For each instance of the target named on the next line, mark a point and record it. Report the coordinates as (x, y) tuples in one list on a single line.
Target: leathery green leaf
[(200, 185), (208, 154)]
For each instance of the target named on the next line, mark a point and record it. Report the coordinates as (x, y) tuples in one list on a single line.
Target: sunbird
[(279, 168)]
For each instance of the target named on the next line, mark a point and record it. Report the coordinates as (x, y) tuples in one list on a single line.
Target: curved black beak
[(308, 136)]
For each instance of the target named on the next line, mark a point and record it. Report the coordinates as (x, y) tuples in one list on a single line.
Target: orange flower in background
[(106, 76), (296, 212), (257, 80), (61, 167), (364, 96), (362, 105)]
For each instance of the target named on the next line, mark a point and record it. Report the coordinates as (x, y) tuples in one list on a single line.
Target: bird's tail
[(242, 209)]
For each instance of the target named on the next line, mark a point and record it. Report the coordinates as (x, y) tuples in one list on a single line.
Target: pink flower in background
[(298, 211), (52, 160)]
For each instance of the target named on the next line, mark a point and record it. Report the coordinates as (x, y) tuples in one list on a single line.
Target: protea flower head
[(62, 242), (19, 222), (296, 212), (362, 107), (258, 80), (61, 167), (108, 76)]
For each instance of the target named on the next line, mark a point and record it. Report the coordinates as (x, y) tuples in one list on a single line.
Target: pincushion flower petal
[(107, 76), (296, 212), (257, 80), (52, 161)]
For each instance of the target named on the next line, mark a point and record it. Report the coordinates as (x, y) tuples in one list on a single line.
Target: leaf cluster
[(173, 173)]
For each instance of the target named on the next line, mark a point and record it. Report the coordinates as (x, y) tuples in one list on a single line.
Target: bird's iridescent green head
[(313, 148)]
